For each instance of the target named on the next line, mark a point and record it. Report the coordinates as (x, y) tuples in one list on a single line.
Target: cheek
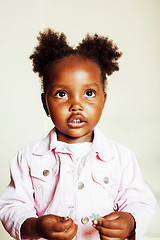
[(54, 106), (97, 106), (57, 112), (94, 112)]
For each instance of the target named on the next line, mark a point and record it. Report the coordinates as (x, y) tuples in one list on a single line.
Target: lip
[(76, 121)]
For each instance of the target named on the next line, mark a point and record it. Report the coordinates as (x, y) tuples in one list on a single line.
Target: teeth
[(76, 121)]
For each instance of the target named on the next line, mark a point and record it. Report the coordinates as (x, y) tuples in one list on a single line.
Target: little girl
[(75, 183)]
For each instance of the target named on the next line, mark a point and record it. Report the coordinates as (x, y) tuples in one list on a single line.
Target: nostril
[(76, 108)]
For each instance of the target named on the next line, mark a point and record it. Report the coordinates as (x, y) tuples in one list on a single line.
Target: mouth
[(76, 121)]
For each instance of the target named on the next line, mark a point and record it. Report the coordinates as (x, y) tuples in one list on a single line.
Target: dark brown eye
[(90, 93), (61, 94)]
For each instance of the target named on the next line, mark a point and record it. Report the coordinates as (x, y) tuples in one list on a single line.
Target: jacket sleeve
[(17, 201), (134, 196)]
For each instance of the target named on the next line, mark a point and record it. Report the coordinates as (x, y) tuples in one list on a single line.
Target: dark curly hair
[(53, 47)]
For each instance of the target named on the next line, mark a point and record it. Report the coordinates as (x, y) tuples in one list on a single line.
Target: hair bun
[(102, 50)]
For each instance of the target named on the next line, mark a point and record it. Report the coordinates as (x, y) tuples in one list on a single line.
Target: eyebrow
[(58, 86), (91, 84), (64, 86)]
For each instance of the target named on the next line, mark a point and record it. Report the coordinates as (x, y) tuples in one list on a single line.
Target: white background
[(132, 112)]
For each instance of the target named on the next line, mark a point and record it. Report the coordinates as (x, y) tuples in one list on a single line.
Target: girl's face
[(74, 98)]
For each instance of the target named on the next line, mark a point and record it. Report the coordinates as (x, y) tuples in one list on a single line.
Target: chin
[(81, 136), (75, 135)]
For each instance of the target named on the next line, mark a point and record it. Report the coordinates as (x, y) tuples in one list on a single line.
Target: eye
[(90, 93), (61, 94)]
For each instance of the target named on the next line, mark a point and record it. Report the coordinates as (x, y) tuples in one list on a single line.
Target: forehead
[(75, 66)]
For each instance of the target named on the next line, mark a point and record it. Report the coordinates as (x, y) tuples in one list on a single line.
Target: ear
[(43, 99), (105, 98)]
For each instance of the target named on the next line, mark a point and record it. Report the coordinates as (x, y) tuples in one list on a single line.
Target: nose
[(76, 105)]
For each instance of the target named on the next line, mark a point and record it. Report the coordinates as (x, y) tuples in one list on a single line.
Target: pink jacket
[(46, 179)]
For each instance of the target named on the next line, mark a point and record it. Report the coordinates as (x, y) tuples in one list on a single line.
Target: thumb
[(109, 217), (63, 224), (112, 216)]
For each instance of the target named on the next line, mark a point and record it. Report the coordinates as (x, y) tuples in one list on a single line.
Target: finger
[(108, 238), (112, 216), (74, 231), (114, 224), (62, 225), (67, 234), (113, 233)]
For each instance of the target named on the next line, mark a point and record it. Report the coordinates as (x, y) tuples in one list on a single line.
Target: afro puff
[(53, 47)]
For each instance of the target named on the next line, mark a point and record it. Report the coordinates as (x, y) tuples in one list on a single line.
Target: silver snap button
[(80, 185), (106, 180), (46, 173), (84, 220)]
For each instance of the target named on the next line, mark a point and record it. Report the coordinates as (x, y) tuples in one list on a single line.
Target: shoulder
[(113, 150), (39, 147)]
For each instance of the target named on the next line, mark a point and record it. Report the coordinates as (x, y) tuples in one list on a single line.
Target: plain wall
[(132, 112)]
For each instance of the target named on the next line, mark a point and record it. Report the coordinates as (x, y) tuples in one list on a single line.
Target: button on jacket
[(46, 179)]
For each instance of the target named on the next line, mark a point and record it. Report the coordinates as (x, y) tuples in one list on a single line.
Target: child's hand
[(50, 227), (115, 226), (55, 227)]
